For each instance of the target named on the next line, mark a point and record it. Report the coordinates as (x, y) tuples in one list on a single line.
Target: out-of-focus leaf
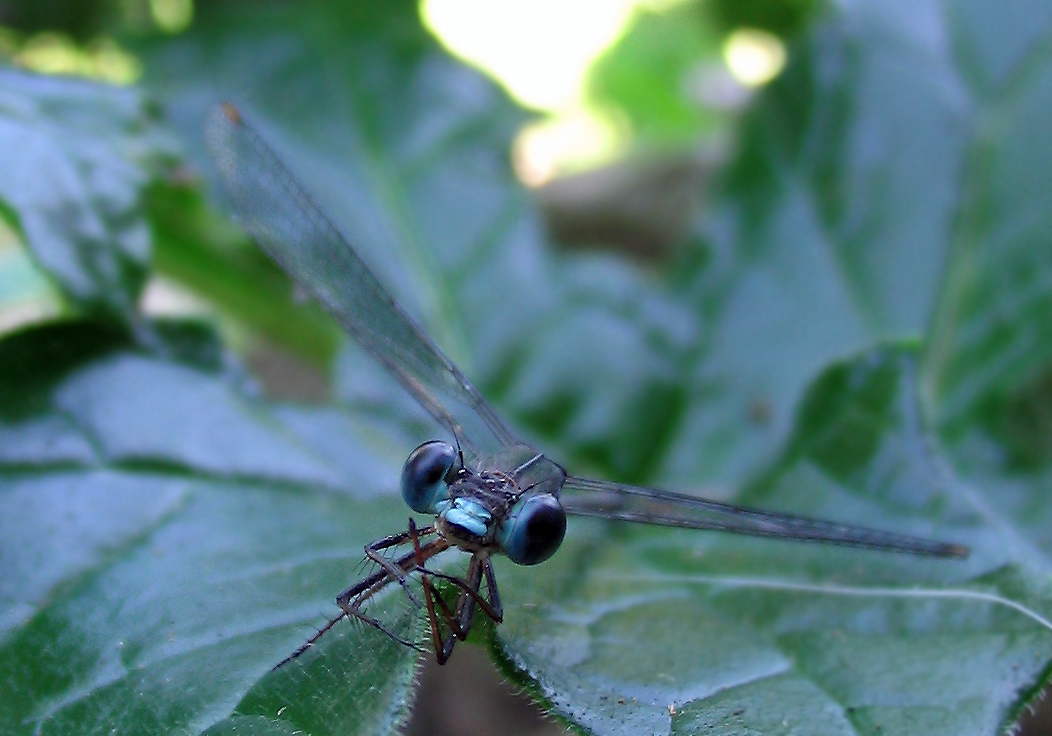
[(851, 216), (82, 20), (77, 157), (201, 250), (26, 294), (781, 17)]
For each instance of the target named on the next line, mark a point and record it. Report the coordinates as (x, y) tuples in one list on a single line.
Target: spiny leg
[(397, 570), (496, 608), (491, 607), (443, 644), (459, 623), (354, 609), (372, 551), (352, 599), (369, 586), (430, 596), (307, 644), (466, 601), (400, 568)]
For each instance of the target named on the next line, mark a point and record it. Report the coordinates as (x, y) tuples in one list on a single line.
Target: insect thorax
[(478, 503)]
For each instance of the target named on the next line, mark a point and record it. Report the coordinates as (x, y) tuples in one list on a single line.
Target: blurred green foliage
[(654, 74), (785, 19)]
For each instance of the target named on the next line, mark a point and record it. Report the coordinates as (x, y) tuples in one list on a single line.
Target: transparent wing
[(296, 233), (587, 497)]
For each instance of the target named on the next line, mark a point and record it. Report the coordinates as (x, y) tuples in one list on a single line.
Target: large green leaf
[(164, 537), (746, 635), (169, 533)]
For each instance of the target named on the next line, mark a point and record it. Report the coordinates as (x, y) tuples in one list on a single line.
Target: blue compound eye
[(533, 530), (424, 475)]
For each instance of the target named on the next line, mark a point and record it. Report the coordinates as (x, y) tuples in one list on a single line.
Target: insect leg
[(372, 551)]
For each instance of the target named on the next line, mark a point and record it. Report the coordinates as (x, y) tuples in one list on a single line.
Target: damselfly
[(488, 492)]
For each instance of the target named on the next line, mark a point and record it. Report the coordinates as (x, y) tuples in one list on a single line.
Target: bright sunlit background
[(539, 49), (605, 76), (542, 52)]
